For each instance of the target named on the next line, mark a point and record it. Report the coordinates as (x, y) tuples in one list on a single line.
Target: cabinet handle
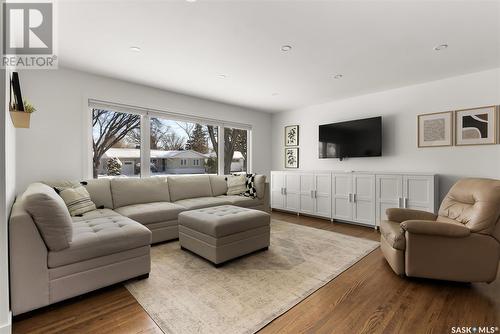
[(315, 194), (400, 204), (284, 191), (354, 197), (405, 202), (350, 197), (312, 193)]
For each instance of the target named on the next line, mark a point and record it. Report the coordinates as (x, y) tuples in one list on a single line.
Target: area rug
[(186, 294)]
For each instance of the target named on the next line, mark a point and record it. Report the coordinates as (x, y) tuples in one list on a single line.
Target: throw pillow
[(250, 186), (77, 200), (236, 184)]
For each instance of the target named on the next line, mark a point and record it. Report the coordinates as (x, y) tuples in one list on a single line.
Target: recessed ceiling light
[(275, 94), (286, 48), (190, 0), (440, 47), (135, 49), (221, 76), (338, 76)]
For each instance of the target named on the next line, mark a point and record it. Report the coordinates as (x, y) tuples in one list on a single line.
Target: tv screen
[(358, 138)]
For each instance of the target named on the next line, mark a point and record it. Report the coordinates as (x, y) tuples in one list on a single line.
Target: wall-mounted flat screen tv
[(351, 139)]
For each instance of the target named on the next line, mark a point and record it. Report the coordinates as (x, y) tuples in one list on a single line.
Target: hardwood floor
[(366, 298)]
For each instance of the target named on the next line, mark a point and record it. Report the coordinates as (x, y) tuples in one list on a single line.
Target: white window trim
[(146, 114)]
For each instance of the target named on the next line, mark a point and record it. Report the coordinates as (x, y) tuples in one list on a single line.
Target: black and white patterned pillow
[(250, 185)]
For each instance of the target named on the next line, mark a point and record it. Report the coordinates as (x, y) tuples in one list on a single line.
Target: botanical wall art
[(477, 126), (435, 129), (292, 135), (292, 157)]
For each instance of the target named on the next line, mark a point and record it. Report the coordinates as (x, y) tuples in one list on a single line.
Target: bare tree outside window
[(109, 129)]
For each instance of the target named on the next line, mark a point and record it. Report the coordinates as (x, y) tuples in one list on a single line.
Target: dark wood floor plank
[(366, 298)]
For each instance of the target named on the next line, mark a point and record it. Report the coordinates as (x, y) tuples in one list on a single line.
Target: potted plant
[(21, 118)]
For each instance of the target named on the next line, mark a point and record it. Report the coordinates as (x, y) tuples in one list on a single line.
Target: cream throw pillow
[(236, 184), (77, 200)]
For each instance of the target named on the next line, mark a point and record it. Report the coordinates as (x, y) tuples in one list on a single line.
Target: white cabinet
[(323, 195), (359, 197), (363, 199), (354, 198), (278, 190), (410, 191), (292, 192)]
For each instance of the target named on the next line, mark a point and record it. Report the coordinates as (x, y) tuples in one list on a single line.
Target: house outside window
[(176, 146)]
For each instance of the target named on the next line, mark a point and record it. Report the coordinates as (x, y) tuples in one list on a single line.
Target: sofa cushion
[(219, 185), (50, 214), (202, 202), (183, 186), (98, 237), (77, 199), (260, 185), (99, 213), (149, 213), (100, 192), (127, 191), (393, 234), (245, 202)]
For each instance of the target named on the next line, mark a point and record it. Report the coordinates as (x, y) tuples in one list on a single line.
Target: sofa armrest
[(428, 227), (29, 273), (400, 215)]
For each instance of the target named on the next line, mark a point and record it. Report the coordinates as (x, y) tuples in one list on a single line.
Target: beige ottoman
[(224, 232)]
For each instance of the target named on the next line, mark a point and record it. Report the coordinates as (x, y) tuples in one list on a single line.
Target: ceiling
[(187, 46)]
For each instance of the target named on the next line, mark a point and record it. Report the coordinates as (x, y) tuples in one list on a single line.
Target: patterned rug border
[(330, 278), (297, 300)]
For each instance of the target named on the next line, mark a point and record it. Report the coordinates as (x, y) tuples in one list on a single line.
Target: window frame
[(146, 115)]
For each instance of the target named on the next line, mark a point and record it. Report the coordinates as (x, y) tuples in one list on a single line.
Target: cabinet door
[(292, 192), (277, 186), (341, 190), (364, 199), (419, 192), (323, 195), (389, 194), (306, 193)]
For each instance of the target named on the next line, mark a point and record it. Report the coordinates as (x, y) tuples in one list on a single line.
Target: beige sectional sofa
[(110, 244)]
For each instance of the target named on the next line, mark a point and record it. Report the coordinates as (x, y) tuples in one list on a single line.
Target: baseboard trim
[(6, 328)]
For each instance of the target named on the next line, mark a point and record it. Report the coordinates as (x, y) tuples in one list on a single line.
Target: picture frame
[(435, 129), (292, 157), (476, 126), (292, 135)]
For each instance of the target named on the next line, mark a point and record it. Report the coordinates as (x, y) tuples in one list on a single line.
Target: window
[(182, 147), (132, 141), (235, 150), (116, 143)]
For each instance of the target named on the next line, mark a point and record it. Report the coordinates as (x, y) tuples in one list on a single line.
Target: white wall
[(54, 149), (7, 195), (399, 109)]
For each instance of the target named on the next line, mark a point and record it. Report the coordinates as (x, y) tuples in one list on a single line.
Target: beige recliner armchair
[(461, 243)]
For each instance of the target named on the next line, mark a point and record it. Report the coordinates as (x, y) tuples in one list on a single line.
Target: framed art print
[(435, 129), (476, 126), (292, 135), (292, 157)]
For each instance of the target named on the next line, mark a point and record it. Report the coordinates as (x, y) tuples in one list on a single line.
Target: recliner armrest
[(428, 227), (400, 215)]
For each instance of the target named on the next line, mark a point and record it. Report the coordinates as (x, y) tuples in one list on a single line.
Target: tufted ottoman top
[(224, 220)]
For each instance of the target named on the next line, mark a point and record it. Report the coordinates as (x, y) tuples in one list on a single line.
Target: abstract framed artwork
[(292, 135), (292, 157), (435, 130), (476, 126)]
